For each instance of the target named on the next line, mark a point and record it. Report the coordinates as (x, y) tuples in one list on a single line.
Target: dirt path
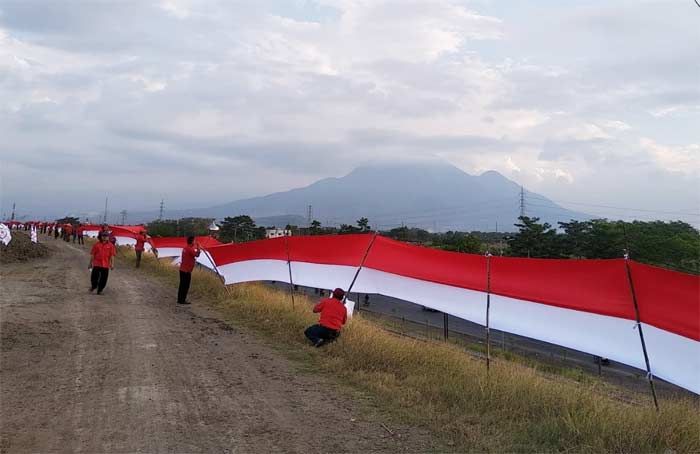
[(129, 371)]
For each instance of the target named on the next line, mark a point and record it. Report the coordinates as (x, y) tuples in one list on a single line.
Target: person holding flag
[(333, 316), (101, 261), (81, 231), (189, 257), (67, 232), (140, 246)]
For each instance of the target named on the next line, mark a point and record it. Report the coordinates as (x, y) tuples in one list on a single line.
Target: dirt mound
[(21, 249)]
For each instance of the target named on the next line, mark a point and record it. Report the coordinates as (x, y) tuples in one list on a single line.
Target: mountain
[(435, 196)]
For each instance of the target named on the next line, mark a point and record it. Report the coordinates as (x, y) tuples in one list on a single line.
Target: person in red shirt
[(333, 316), (140, 246), (101, 261), (67, 232), (189, 257), (81, 240)]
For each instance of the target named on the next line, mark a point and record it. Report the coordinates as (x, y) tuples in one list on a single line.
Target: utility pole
[(522, 201), (160, 216), (309, 215), (104, 219), (123, 213), (13, 212)]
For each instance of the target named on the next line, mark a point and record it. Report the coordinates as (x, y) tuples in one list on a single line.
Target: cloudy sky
[(593, 103)]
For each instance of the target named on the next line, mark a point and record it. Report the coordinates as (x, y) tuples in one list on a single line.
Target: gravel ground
[(128, 371)]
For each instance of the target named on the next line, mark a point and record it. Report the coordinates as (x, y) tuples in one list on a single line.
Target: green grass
[(515, 407)]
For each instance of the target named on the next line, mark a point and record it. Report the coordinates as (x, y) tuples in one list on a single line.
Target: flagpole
[(289, 268), (650, 376), (488, 311), (362, 263), (216, 270)]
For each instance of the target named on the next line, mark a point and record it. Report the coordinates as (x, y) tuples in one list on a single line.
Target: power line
[(436, 211), (474, 217), (614, 207)]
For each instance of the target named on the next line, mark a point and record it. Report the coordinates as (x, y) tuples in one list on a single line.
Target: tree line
[(674, 244)]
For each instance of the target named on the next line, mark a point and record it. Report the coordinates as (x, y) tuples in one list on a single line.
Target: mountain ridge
[(431, 196)]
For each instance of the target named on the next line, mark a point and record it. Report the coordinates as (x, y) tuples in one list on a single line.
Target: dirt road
[(129, 371)]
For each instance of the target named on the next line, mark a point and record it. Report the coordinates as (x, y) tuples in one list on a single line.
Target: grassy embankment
[(516, 407)]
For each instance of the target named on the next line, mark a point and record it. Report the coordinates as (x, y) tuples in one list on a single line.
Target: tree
[(68, 220), (315, 227), (180, 227), (240, 229), (534, 239), (347, 228), (459, 242), (165, 227), (363, 225), (577, 238), (194, 226), (470, 244)]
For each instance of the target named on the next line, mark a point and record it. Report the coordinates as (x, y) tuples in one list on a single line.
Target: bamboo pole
[(650, 376), (289, 268), (359, 268), (216, 270), (488, 311)]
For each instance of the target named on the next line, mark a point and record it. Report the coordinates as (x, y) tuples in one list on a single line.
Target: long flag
[(585, 305)]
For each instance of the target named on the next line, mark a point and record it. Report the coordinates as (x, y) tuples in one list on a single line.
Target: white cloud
[(616, 125), (148, 83), (176, 8), (558, 174), (682, 159), (511, 165), (217, 85)]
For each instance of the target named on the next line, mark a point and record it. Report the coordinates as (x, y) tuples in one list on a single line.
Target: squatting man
[(333, 316)]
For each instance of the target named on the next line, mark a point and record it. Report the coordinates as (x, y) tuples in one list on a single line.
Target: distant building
[(277, 233)]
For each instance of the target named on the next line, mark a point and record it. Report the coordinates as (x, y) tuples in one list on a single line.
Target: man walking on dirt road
[(189, 257), (333, 317), (101, 261)]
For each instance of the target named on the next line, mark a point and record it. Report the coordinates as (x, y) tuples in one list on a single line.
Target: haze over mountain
[(434, 195)]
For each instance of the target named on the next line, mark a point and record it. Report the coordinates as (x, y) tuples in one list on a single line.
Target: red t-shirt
[(101, 253), (139, 244), (189, 255), (333, 313)]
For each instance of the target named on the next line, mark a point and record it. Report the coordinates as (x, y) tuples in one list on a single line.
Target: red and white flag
[(586, 305)]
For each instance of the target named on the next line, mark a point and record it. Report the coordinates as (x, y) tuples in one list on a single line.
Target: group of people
[(66, 232), (102, 257), (332, 310), (102, 261)]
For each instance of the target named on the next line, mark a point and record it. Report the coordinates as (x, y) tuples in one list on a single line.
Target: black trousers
[(316, 333), (98, 278), (138, 258), (185, 279)]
